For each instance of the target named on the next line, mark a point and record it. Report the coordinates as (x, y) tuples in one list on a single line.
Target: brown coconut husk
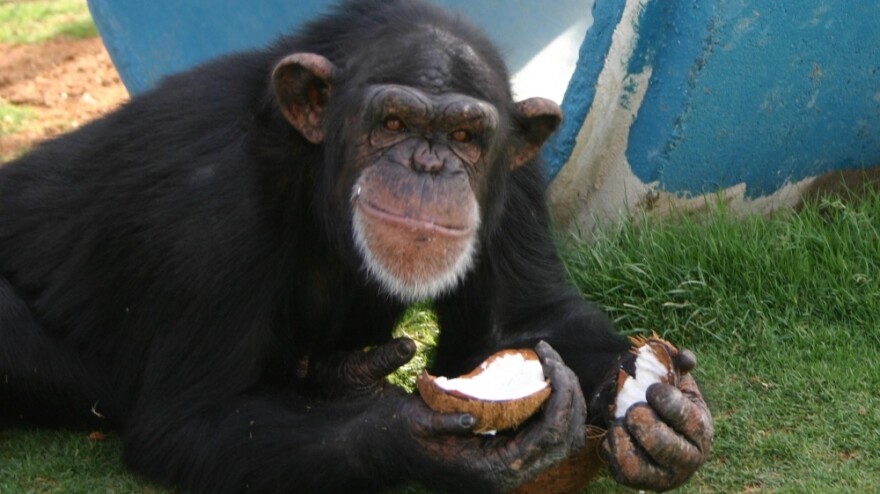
[(572, 475), (491, 415)]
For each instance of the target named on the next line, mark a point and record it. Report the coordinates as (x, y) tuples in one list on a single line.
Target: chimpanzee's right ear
[(302, 84)]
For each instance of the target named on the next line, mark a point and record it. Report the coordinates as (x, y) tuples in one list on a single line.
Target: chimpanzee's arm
[(263, 441), (520, 296), (269, 440)]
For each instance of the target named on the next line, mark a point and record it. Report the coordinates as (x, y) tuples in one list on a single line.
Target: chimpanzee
[(203, 269)]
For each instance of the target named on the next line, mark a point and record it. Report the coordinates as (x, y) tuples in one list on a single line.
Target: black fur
[(167, 266)]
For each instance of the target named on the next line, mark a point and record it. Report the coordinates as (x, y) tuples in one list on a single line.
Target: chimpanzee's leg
[(41, 381)]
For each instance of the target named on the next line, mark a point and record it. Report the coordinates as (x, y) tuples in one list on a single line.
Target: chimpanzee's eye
[(461, 136), (394, 124)]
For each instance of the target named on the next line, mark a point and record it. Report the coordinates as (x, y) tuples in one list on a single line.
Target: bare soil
[(66, 82)]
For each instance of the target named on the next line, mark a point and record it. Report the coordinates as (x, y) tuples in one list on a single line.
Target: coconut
[(572, 474), (504, 391), (654, 363)]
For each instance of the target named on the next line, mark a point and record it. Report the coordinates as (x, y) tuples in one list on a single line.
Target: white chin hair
[(424, 285)]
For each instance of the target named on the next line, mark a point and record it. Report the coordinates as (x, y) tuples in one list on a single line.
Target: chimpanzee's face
[(420, 140), (415, 207)]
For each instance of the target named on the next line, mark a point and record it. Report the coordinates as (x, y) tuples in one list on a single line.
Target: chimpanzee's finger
[(427, 422), (452, 423), (547, 354), (685, 361), (376, 363), (565, 412), (684, 411), (660, 441), (628, 464), (688, 386)]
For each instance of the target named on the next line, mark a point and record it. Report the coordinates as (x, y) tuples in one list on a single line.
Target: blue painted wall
[(742, 91), (582, 86), (745, 91), (789, 89), (150, 39)]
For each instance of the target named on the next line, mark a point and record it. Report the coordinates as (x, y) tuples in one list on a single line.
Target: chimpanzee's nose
[(427, 159)]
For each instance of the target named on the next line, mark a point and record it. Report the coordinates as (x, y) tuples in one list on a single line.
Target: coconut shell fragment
[(504, 391)]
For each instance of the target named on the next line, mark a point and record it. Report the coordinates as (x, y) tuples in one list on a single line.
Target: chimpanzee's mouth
[(408, 223)]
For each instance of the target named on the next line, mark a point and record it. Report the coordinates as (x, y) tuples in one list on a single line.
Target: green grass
[(783, 313), (63, 462), (13, 117), (420, 325), (36, 21), (728, 280)]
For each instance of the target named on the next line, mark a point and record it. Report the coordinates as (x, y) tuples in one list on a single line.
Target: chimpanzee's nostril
[(426, 160)]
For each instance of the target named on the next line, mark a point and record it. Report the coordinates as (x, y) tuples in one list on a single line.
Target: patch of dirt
[(66, 82), (844, 184)]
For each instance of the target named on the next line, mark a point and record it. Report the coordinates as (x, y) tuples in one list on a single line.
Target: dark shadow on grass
[(845, 185)]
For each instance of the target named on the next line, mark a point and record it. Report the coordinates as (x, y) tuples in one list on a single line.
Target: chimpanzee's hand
[(360, 373), (504, 461), (659, 445)]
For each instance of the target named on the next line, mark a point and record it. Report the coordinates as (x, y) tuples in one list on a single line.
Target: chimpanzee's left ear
[(302, 84), (538, 119)]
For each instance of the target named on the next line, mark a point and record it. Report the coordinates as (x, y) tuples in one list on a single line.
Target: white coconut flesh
[(649, 370), (505, 378)]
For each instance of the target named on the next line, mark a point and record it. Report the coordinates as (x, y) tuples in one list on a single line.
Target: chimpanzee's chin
[(411, 260)]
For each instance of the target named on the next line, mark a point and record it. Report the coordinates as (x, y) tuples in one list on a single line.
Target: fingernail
[(467, 421)]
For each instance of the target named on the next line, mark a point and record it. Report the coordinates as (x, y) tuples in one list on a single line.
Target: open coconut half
[(654, 363), (505, 390)]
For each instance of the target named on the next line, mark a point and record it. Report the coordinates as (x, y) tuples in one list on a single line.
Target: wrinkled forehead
[(439, 56), (436, 61)]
